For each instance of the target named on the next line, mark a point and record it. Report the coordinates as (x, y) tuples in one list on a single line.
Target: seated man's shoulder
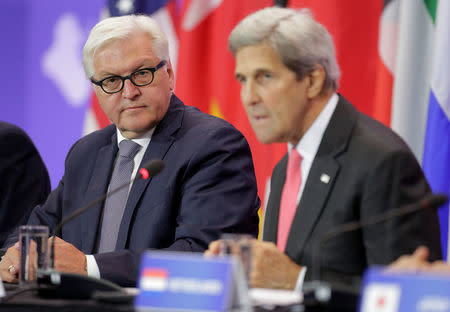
[(196, 121), (193, 114), (99, 137), (10, 131), (14, 140), (378, 140), (87, 146)]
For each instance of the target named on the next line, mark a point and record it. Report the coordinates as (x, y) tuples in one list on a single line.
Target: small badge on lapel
[(325, 178)]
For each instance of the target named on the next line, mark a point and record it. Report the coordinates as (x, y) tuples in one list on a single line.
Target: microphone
[(150, 168), (153, 166), (321, 292)]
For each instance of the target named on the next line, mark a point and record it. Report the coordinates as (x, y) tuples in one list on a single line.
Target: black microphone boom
[(152, 167), (428, 201), (343, 295)]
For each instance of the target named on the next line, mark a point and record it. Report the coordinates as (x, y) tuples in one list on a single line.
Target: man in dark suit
[(341, 165), (24, 178), (208, 186)]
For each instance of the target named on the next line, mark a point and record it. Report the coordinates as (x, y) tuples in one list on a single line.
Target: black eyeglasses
[(140, 78)]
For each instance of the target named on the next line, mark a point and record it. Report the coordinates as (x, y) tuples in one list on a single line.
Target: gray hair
[(299, 40), (122, 27)]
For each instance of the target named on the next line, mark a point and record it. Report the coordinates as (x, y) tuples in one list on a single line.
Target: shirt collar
[(143, 141), (309, 143)]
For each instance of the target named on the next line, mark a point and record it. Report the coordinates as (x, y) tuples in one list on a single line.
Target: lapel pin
[(325, 178)]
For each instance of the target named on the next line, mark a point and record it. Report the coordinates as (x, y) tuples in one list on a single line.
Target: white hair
[(299, 40), (122, 27)]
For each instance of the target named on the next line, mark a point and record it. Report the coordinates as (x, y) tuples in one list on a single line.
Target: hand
[(418, 261), (67, 257), (271, 268), (10, 265), (213, 248), (412, 263)]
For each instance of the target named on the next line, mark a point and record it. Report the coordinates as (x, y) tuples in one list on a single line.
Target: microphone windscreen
[(154, 166)]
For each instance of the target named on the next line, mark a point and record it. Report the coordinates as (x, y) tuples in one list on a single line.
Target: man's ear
[(316, 81), (171, 75)]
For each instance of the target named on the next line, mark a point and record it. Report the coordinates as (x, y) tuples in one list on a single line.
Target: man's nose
[(248, 94), (129, 90)]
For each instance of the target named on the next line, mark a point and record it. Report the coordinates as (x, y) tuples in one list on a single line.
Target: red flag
[(354, 26), (205, 77)]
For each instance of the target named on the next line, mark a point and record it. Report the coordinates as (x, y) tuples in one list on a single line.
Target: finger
[(403, 263), (213, 248), (421, 253), (13, 257), (54, 238), (8, 270), (254, 278), (9, 277), (32, 258)]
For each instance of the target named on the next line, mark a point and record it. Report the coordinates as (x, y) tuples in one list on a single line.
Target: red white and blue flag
[(436, 158)]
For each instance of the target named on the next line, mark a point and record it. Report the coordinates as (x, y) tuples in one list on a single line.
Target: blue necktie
[(115, 204)]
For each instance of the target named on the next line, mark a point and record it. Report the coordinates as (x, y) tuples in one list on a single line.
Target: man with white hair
[(207, 188), (341, 165)]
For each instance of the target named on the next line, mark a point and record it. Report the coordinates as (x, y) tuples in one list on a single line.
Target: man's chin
[(264, 139)]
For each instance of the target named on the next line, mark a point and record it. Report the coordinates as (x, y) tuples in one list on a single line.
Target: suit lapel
[(97, 187), (314, 198), (323, 173), (162, 139)]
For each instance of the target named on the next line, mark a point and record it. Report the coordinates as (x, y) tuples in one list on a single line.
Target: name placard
[(391, 292), (184, 281)]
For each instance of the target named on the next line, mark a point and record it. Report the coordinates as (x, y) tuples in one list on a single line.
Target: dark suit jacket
[(24, 178), (371, 171), (208, 187)]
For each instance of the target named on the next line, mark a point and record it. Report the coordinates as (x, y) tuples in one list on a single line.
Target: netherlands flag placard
[(154, 279)]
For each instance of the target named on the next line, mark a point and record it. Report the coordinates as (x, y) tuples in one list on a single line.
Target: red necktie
[(288, 204)]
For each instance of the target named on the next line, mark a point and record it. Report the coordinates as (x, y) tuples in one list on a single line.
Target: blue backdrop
[(43, 88)]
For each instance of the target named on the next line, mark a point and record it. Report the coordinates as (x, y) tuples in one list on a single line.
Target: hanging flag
[(354, 26), (436, 157), (383, 51), (165, 13), (206, 72), (412, 73), (385, 63)]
